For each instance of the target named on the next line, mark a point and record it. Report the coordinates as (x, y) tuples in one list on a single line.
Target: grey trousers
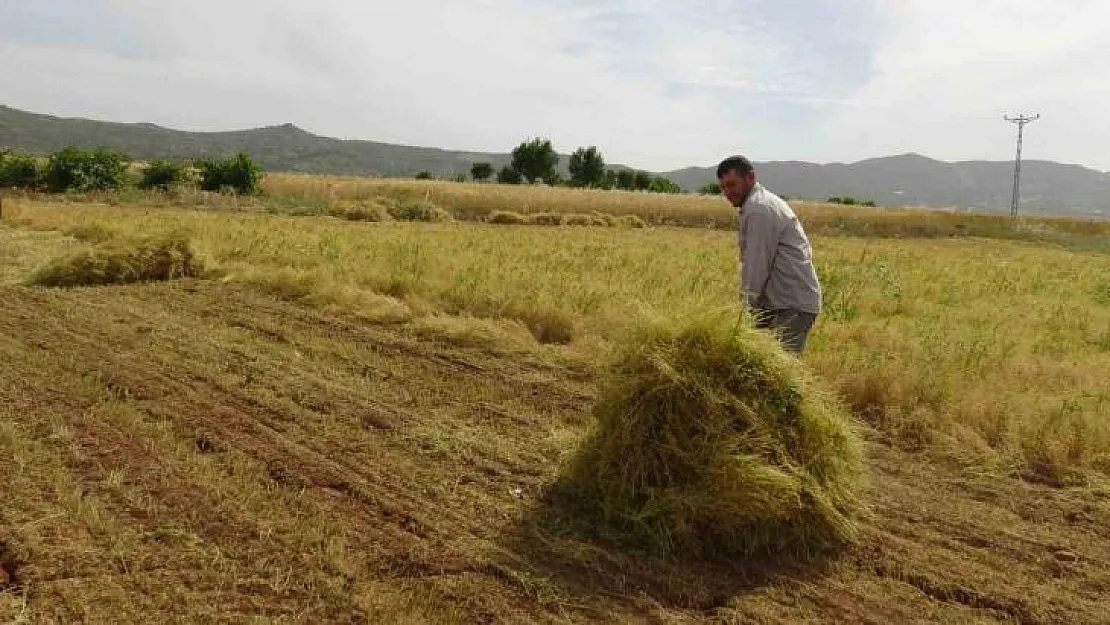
[(792, 327)]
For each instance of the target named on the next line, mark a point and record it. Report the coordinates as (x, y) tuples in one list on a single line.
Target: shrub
[(506, 218), (19, 171), (424, 175), (238, 173), (660, 184), (481, 171), (78, 170), (626, 179), (710, 440), (508, 175), (147, 261), (712, 188), (421, 210), (163, 175)]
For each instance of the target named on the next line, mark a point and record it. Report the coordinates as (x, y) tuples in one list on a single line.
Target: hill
[(1049, 188), (915, 180), (276, 148)]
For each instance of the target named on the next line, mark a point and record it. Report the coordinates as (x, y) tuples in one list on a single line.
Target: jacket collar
[(756, 188)]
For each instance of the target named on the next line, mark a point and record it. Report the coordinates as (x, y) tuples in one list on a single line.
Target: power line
[(1021, 121)]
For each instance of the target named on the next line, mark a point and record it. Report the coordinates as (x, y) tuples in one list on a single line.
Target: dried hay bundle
[(506, 218), (545, 219), (712, 440), (630, 221), (151, 260)]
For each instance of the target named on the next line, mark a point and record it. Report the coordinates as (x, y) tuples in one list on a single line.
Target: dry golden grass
[(471, 201), (710, 440), (23, 251), (193, 452), (201, 451), (164, 258), (359, 198), (993, 350)]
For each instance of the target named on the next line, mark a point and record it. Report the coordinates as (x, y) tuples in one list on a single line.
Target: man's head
[(737, 177)]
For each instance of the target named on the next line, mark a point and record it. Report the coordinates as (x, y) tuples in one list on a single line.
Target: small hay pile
[(545, 219), (508, 218), (582, 220), (372, 211), (146, 261), (710, 440), (419, 210), (630, 221)]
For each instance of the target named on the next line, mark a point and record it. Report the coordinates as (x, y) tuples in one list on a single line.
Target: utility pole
[(1021, 121)]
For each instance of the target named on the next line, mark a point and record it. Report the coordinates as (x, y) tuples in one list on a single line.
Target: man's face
[(735, 187)]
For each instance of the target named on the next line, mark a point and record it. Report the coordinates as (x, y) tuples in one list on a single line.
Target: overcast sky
[(657, 85)]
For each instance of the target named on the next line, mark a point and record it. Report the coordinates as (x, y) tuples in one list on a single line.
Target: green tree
[(610, 181), (587, 167), (536, 159), (424, 175), (238, 173), (481, 171), (712, 188), (659, 184), (80, 170), (508, 175), (19, 171), (626, 179), (641, 181), (162, 175)]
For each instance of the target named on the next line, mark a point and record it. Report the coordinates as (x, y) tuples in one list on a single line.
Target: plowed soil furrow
[(203, 452)]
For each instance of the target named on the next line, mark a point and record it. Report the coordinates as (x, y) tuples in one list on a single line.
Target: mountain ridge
[(1048, 187)]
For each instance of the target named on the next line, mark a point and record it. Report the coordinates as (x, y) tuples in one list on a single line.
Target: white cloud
[(655, 84), (475, 75), (947, 71)]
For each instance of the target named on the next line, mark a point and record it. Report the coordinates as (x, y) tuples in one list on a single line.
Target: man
[(779, 281)]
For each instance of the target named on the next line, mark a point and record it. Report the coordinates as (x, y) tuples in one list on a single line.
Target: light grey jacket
[(776, 257)]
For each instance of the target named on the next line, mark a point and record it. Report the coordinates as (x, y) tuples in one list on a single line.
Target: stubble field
[(345, 421)]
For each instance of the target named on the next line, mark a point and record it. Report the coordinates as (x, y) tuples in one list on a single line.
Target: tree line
[(535, 160), (78, 170)]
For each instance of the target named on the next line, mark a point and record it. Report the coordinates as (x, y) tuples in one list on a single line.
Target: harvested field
[(234, 457)]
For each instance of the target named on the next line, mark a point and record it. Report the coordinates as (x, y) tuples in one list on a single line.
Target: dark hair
[(739, 164)]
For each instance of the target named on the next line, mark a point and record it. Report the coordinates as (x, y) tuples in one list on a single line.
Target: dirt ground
[(200, 452)]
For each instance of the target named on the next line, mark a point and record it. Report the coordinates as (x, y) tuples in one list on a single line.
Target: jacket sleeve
[(758, 244)]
